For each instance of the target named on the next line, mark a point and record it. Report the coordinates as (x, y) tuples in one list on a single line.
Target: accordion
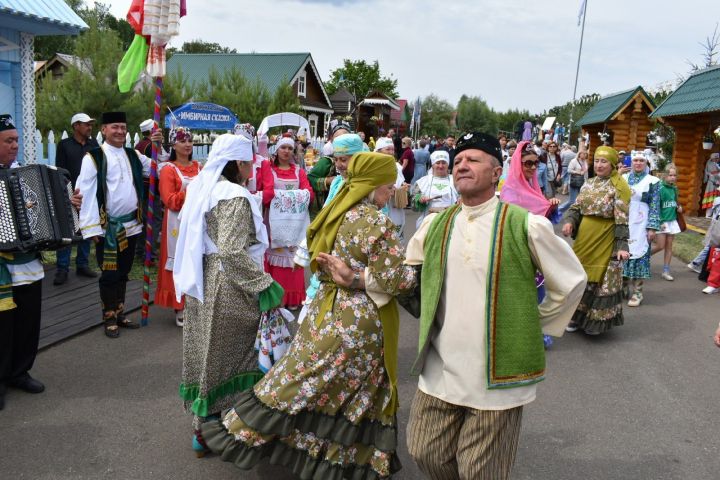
[(35, 209)]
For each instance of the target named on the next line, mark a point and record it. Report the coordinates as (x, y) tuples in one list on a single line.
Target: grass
[(687, 245), (48, 258)]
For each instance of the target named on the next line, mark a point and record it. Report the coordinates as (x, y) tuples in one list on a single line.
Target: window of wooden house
[(301, 85)]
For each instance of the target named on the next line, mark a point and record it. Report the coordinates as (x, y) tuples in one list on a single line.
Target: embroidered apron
[(173, 222), (638, 218), (281, 257)]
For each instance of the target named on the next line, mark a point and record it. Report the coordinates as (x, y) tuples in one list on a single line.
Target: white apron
[(173, 220), (283, 256), (638, 216)]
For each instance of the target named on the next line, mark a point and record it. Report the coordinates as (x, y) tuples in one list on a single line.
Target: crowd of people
[(237, 236)]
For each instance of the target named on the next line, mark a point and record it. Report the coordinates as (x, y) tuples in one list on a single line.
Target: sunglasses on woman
[(530, 163)]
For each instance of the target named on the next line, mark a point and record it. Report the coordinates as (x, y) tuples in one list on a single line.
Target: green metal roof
[(700, 93), (269, 68), (606, 108)]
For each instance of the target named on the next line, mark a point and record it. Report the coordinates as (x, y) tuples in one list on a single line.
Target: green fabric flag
[(132, 64)]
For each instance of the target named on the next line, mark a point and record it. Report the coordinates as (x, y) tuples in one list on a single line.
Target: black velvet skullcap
[(480, 141), (114, 117), (6, 123)]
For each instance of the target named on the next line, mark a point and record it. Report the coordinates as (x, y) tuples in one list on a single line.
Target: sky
[(512, 53)]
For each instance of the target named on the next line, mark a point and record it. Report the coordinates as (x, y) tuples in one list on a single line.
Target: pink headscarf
[(518, 191)]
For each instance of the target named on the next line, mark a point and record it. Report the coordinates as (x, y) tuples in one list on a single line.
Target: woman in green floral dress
[(598, 220), (327, 409)]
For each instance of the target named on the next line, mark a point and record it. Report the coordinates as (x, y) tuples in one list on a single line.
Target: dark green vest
[(515, 350), (98, 155)]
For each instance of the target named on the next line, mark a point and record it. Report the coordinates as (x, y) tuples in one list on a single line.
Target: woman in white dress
[(435, 191)]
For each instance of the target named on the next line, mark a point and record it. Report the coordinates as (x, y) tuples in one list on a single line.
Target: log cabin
[(693, 111)]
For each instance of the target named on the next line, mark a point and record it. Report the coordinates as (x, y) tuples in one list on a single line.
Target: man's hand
[(623, 255), (157, 136), (567, 229), (555, 202), (96, 239), (76, 199)]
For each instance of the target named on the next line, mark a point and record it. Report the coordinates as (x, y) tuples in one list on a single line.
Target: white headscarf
[(285, 141), (202, 195), (383, 142), (439, 156)]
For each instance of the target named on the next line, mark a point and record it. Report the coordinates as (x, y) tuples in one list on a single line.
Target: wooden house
[(20, 23), (624, 116), (400, 119), (373, 114), (271, 69), (693, 111)]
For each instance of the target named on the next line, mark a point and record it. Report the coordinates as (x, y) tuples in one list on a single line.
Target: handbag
[(681, 221), (576, 181)]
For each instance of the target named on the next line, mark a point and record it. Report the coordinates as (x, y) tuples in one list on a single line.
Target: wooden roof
[(610, 106)]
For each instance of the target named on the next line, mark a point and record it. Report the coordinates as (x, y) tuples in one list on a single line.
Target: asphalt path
[(639, 402)]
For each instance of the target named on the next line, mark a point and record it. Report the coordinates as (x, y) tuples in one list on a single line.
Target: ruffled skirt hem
[(300, 462)]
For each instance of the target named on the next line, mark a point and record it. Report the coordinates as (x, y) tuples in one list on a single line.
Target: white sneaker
[(635, 300), (572, 327), (710, 290), (667, 276), (693, 267), (179, 319)]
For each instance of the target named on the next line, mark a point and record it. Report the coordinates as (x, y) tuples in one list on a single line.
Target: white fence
[(46, 148)]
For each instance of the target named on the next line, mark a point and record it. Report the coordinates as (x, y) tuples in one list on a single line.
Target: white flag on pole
[(582, 11)]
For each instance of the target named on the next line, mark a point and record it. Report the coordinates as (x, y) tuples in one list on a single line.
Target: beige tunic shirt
[(455, 370)]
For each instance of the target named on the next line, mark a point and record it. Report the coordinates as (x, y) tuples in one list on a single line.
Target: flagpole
[(577, 73), (149, 237)]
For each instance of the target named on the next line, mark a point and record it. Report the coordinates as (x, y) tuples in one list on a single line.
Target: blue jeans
[(63, 256), (573, 196), (702, 256)]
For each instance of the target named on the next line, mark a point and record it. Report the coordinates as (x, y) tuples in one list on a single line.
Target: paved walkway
[(639, 402)]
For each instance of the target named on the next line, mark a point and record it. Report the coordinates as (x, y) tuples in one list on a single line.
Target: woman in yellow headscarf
[(327, 409), (598, 220)]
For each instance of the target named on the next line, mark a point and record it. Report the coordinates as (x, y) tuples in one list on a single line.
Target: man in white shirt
[(19, 304), (111, 183), (481, 347)]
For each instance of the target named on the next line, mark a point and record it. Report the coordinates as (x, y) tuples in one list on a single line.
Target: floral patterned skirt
[(600, 308), (638, 267), (319, 410)]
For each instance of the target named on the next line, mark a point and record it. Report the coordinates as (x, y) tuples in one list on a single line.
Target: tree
[(94, 89), (199, 46), (47, 46), (710, 54), (508, 120), (284, 99), (474, 114), (436, 116), (360, 79)]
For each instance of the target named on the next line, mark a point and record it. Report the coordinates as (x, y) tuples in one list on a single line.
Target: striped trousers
[(450, 442)]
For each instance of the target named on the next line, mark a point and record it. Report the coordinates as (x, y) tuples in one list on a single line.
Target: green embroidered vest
[(515, 351), (98, 155)]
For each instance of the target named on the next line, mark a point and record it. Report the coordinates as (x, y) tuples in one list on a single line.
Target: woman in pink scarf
[(521, 188)]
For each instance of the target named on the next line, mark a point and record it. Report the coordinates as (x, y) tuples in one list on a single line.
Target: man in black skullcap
[(111, 182), (21, 277), (481, 348)]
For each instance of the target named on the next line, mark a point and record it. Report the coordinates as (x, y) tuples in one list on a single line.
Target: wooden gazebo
[(624, 115), (693, 111)]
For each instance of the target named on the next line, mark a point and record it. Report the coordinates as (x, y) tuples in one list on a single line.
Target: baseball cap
[(81, 117)]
